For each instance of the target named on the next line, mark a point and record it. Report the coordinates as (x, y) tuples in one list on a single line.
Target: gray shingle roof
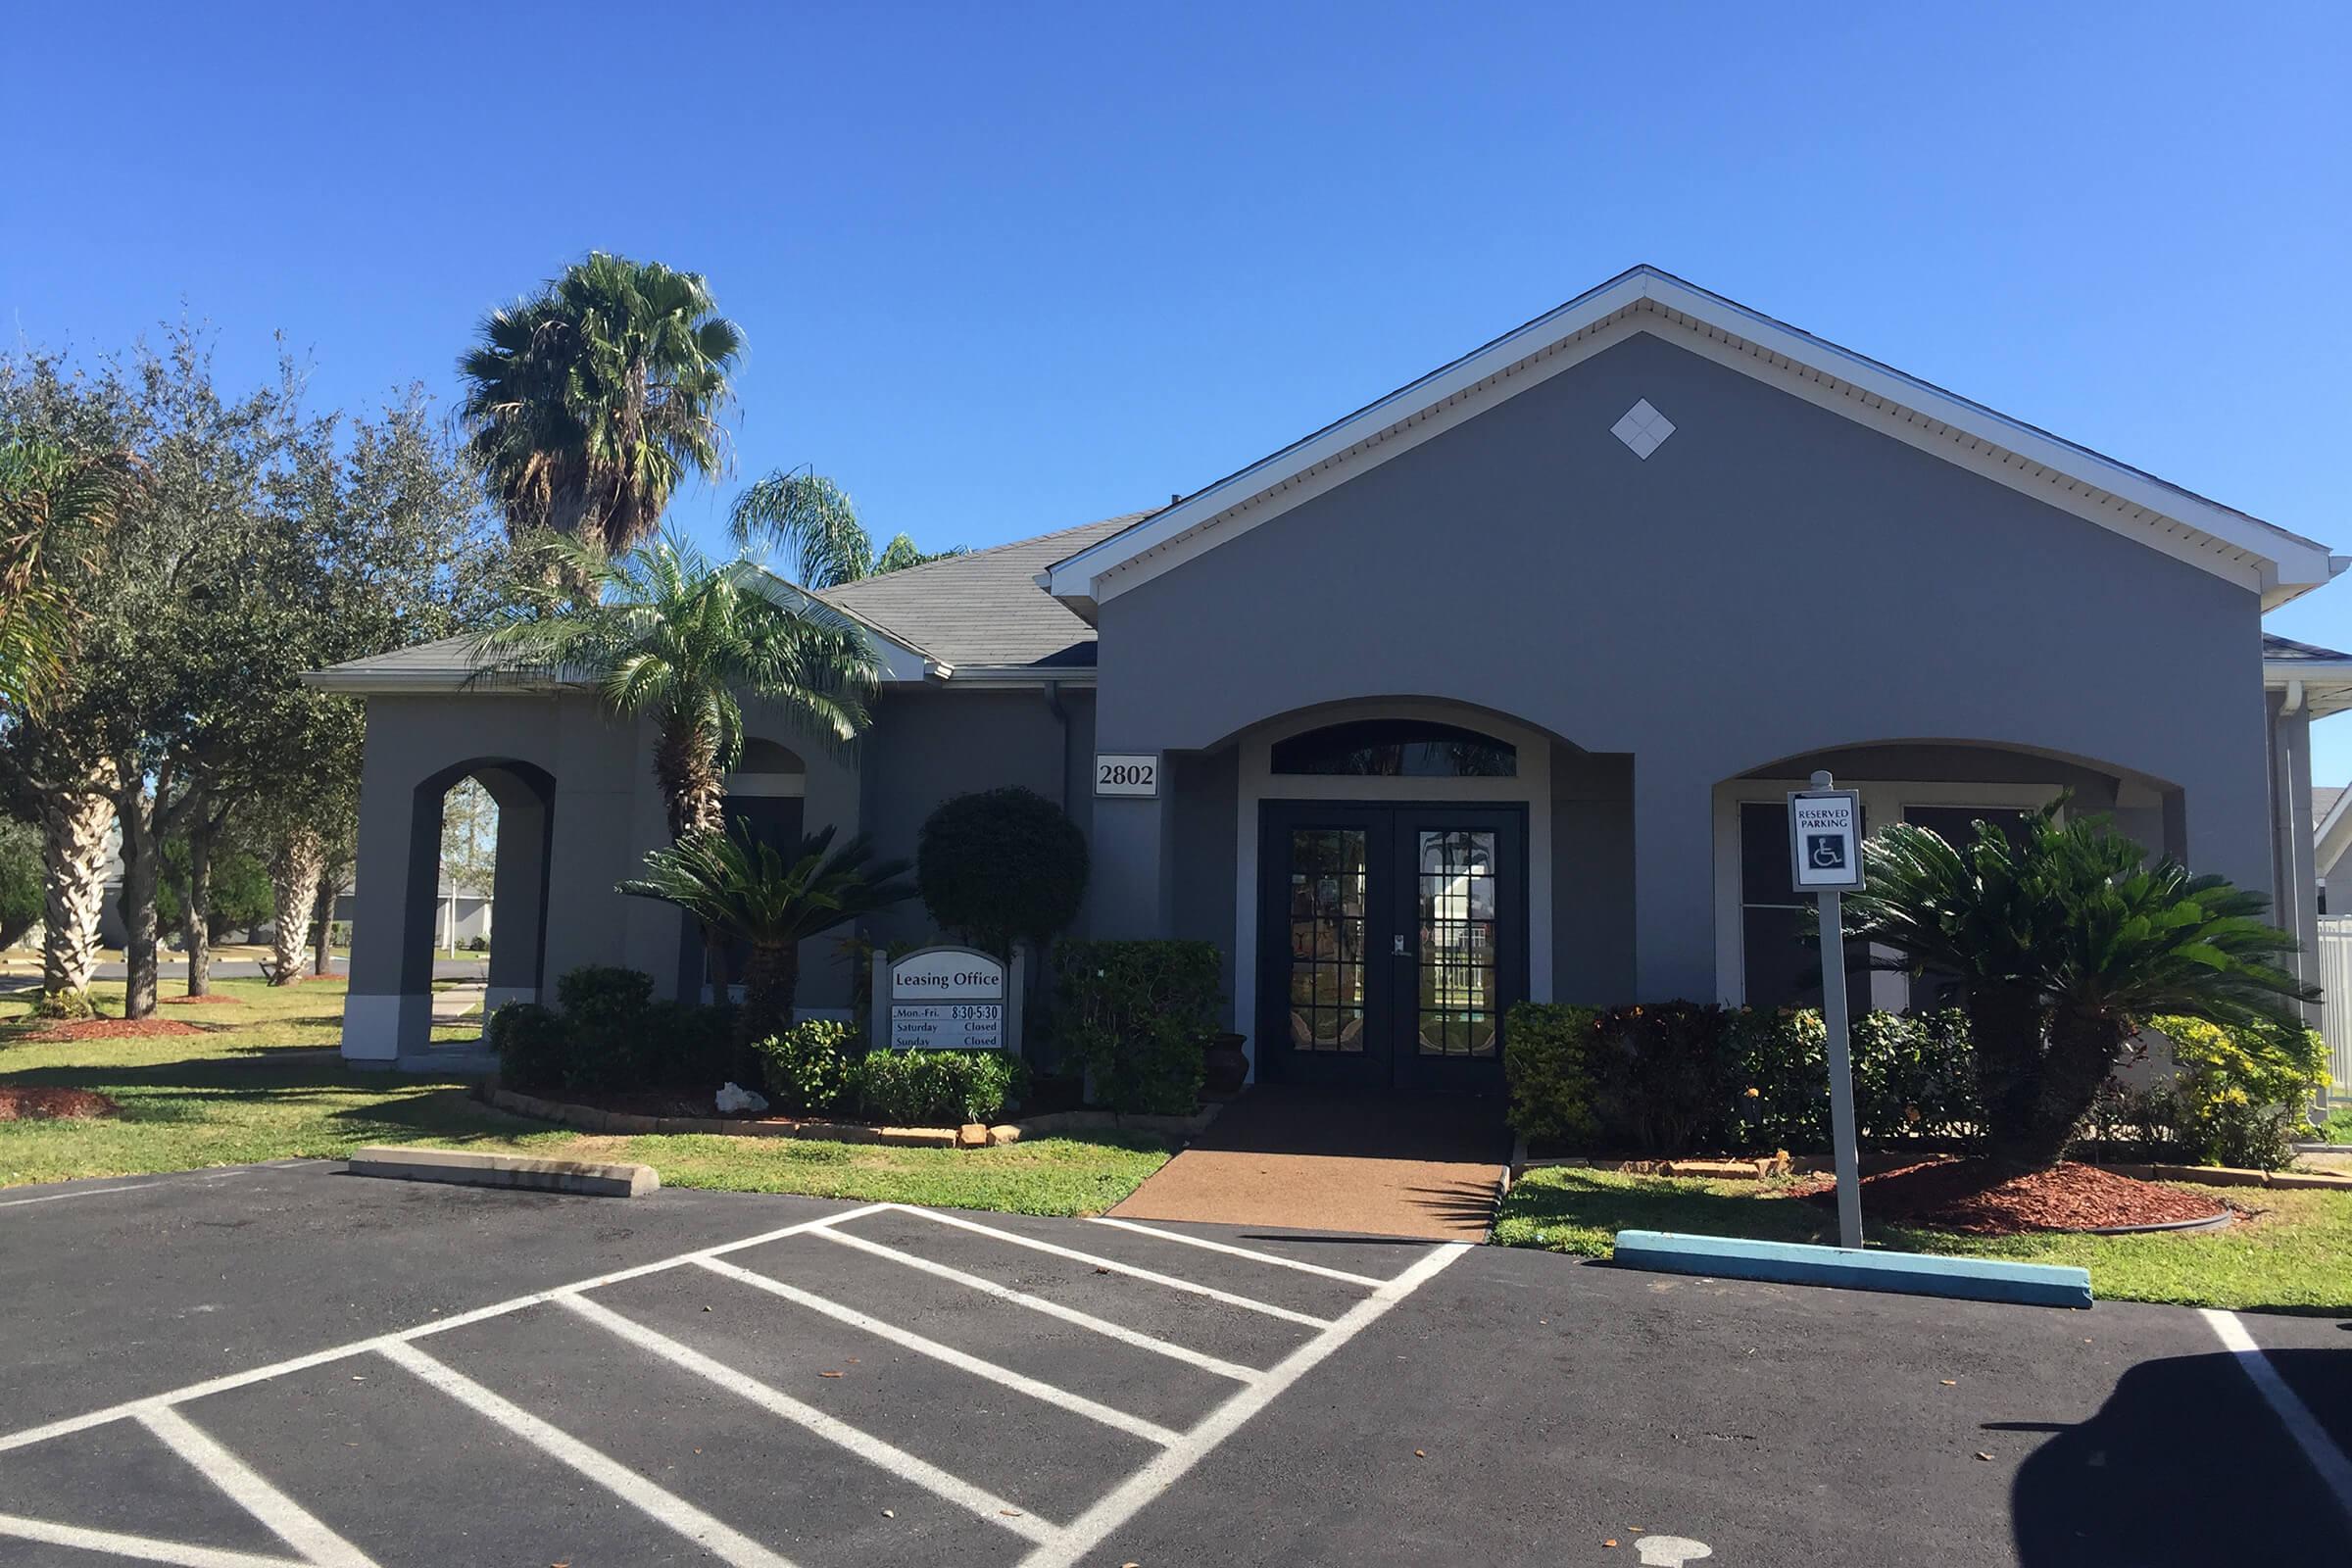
[(2285, 650), (985, 609), (2323, 801)]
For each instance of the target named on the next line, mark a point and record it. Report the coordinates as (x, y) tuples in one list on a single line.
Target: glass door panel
[(1456, 998), (1328, 895)]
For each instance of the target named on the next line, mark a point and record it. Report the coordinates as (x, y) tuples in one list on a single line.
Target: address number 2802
[(1126, 774)]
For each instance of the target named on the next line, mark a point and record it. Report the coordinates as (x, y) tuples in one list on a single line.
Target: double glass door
[(1392, 940)]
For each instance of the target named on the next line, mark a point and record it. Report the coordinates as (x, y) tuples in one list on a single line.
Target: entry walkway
[(1363, 1164)]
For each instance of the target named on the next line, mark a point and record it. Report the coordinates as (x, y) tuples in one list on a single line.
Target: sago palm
[(772, 901), (588, 404), (812, 521), (2063, 943), (666, 633)]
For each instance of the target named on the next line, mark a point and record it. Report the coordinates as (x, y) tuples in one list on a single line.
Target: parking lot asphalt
[(287, 1365)]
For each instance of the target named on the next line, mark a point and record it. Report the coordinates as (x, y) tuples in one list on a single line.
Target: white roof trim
[(2245, 549), (2328, 824)]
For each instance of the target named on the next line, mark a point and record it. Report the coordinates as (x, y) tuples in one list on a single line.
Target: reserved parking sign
[(1825, 840)]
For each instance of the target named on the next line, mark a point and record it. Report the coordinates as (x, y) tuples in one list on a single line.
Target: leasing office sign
[(947, 998)]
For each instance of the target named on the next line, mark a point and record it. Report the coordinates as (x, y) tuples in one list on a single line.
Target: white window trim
[(1258, 782), (1883, 801)]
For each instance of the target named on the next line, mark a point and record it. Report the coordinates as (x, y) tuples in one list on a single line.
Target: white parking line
[(1114, 1266), (2334, 1469), (1061, 1398), (1125, 1501), (286, 1518), (177, 1553), (1228, 1248), (886, 1456), (84, 1191), (1037, 1303), (665, 1508)]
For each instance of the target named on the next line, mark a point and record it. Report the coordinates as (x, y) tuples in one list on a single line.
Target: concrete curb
[(467, 1168), (589, 1119), (1976, 1279)]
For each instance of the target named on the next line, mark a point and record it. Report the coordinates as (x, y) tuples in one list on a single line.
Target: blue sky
[(1009, 268)]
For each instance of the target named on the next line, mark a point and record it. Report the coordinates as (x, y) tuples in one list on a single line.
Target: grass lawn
[(252, 1087), (2294, 1254)]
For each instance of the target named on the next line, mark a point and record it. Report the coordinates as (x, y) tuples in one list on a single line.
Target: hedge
[(1665, 1079), (1134, 1016)]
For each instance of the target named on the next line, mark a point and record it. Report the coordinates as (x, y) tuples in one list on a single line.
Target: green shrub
[(598, 994), (2242, 1095), (22, 868), (1663, 1078), (1133, 1015), (934, 1088), (687, 1044), (809, 1069), (999, 866), (1546, 1059), (2339, 1128), (532, 1044)]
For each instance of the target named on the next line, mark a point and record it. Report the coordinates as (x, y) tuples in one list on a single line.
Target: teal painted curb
[(1974, 1279)]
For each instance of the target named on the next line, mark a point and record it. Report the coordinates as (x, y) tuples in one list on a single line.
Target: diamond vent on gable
[(1643, 429)]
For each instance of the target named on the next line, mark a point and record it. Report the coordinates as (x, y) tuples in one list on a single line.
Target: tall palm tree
[(2065, 943), (56, 508), (667, 632), (589, 403), (745, 889), (814, 520)]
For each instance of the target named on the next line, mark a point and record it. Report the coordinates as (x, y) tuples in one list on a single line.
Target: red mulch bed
[(659, 1103), (107, 1029), (44, 1105), (183, 1002), (1962, 1194)]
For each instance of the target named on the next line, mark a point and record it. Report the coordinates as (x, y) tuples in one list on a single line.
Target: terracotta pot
[(1223, 1066)]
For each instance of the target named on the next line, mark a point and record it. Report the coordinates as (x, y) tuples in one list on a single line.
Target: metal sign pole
[(1825, 860), (1841, 1073)]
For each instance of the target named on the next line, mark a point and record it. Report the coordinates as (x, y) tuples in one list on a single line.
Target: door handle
[(1396, 945)]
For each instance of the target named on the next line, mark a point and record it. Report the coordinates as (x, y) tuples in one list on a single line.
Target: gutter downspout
[(1061, 717)]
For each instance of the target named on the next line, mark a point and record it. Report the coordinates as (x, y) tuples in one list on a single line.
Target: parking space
[(282, 1366), (865, 1383)]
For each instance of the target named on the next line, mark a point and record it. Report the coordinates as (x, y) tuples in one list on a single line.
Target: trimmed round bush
[(809, 1069), (1001, 866)]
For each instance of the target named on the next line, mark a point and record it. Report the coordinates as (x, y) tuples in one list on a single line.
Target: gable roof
[(2243, 549), (981, 611)]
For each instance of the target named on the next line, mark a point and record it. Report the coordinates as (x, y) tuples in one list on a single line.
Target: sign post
[(1825, 858)]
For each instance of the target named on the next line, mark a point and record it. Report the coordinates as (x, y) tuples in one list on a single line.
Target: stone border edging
[(972, 1135), (1808, 1165), (470, 1168)]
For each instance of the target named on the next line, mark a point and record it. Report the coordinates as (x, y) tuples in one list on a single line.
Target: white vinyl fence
[(2335, 1014)]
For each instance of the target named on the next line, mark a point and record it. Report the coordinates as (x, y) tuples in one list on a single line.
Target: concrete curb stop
[(467, 1168), (1975, 1279)]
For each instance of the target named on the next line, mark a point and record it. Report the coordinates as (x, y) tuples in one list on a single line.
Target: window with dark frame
[(1396, 748)]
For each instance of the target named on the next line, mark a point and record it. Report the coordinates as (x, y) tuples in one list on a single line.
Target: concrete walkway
[(1358, 1164)]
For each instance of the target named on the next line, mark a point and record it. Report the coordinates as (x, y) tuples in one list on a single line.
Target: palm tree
[(56, 508), (746, 890), (589, 403), (2064, 944), (666, 632), (811, 517)]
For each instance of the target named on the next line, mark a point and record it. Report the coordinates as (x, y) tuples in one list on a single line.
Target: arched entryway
[(767, 799)]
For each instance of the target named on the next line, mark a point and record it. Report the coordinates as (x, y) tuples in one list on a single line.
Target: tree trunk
[(74, 887), (142, 868), (770, 976), (2037, 1073), (322, 953), (294, 875), (694, 793), (201, 827)]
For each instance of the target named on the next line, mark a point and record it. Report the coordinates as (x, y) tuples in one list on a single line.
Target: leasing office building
[(1490, 690)]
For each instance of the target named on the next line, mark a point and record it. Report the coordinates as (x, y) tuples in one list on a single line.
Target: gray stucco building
[(1490, 690)]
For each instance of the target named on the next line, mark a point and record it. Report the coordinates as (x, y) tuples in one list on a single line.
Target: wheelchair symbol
[(1825, 852)]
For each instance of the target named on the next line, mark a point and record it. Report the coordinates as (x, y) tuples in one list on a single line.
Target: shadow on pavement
[(2185, 1464)]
